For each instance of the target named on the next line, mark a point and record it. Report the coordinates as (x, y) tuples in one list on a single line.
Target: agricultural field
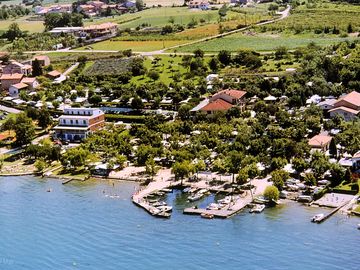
[(159, 17), (317, 15), (262, 42), (108, 67), (167, 67), (136, 46), (24, 24)]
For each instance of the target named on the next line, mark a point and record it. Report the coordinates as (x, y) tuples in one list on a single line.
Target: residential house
[(32, 83), (320, 142), (347, 113), (103, 29), (9, 79), (65, 8), (222, 101), (53, 74), (88, 10), (128, 4), (43, 59), (15, 89), (348, 106), (351, 100), (327, 104), (16, 67), (203, 5), (77, 123)]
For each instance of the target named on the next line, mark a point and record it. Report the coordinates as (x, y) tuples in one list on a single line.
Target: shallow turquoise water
[(76, 227)]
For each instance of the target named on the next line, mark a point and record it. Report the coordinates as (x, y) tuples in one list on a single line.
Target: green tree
[(150, 168), (182, 169), (23, 127), (40, 165), (242, 176), (139, 5), (44, 118), (224, 57), (13, 32), (214, 64), (153, 74), (333, 148), (199, 166), (137, 103), (75, 157), (278, 178), (271, 193), (36, 68)]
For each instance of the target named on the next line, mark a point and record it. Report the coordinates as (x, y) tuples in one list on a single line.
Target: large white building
[(76, 123)]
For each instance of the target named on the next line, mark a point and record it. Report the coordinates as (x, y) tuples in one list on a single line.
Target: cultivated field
[(262, 42), (137, 46), (318, 15), (31, 26)]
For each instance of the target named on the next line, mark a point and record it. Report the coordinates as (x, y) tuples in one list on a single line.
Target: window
[(76, 121), (84, 122), (71, 121)]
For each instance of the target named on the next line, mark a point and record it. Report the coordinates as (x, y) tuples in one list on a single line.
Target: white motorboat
[(213, 206), (257, 208), (160, 203), (195, 197), (317, 218), (165, 208)]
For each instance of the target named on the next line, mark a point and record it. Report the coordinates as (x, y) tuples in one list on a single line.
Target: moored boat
[(165, 208), (257, 208), (317, 218), (195, 197), (207, 215)]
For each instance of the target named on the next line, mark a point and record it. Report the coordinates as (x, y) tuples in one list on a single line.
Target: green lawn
[(262, 42)]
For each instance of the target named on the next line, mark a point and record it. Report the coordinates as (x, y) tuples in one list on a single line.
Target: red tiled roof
[(232, 93), (319, 140), (20, 85), (217, 105), (15, 76), (54, 73), (346, 109), (41, 57), (353, 98), (28, 80)]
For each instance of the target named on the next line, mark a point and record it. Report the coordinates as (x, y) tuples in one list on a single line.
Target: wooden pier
[(325, 217), (225, 212)]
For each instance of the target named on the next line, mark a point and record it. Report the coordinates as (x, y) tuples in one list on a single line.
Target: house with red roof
[(15, 89), (320, 142), (222, 101), (9, 79), (347, 106)]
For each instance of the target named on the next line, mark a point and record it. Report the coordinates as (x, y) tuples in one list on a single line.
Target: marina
[(115, 229)]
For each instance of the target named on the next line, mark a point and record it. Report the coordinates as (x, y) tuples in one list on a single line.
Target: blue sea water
[(77, 227)]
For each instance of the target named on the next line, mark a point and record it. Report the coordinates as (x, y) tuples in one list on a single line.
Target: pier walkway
[(234, 207)]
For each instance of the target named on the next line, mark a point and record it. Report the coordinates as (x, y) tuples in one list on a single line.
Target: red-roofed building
[(222, 101), (15, 89), (320, 142), (347, 113), (234, 97), (217, 105), (351, 100), (9, 79)]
